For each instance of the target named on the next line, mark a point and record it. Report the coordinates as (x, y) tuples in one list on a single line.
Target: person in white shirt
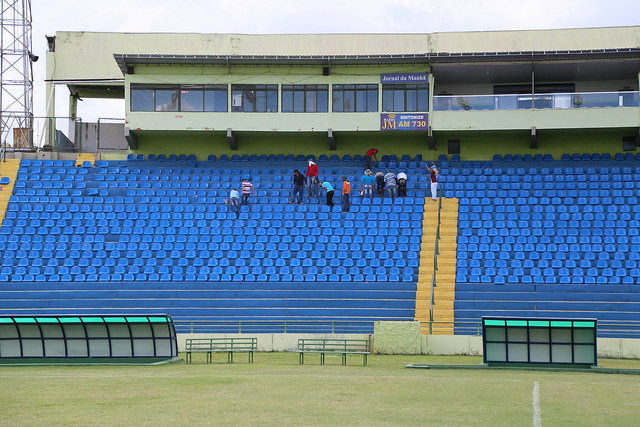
[(402, 184), (234, 201)]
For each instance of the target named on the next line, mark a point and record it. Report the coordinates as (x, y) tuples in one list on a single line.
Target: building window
[(215, 98), (305, 98), (358, 98), (179, 98), (142, 99), (405, 97), (191, 98), (168, 99), (254, 98)]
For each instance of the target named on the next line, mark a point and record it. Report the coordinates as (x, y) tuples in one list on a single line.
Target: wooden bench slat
[(221, 345), (343, 347)]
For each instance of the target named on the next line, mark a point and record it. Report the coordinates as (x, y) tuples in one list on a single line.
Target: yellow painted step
[(83, 157)]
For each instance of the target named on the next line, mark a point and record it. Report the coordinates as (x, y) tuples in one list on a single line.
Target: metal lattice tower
[(16, 74)]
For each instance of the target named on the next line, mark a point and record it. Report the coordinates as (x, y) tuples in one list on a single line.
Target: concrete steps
[(8, 168), (444, 293), (85, 157)]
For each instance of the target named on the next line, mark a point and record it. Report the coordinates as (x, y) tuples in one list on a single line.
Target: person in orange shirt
[(346, 193)]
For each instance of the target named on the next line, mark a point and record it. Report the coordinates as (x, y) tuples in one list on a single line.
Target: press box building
[(470, 93)]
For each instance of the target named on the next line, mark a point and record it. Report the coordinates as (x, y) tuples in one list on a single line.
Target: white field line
[(537, 421)]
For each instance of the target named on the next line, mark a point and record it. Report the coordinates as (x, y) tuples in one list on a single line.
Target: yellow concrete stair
[(84, 157), (8, 168), (444, 294), (425, 271)]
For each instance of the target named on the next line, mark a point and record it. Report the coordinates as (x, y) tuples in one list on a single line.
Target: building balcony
[(537, 101), (544, 111)]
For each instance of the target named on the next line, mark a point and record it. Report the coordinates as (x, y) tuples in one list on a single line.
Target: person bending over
[(402, 184), (329, 189), (367, 181), (369, 154)]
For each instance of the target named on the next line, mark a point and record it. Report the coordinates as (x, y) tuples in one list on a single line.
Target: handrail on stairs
[(436, 251)]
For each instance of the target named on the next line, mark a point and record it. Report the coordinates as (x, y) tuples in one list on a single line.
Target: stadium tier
[(557, 222), (167, 221), (156, 236), (535, 237)]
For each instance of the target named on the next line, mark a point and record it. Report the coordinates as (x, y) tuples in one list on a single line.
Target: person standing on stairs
[(234, 202), (346, 193), (434, 181), (247, 190), (312, 174), (298, 186)]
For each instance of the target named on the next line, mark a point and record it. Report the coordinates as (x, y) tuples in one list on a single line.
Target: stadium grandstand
[(534, 135)]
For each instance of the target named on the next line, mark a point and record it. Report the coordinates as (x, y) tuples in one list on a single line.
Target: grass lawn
[(275, 390)]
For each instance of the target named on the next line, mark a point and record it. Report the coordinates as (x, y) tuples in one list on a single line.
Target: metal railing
[(606, 328), (536, 101), (57, 133), (275, 326), (436, 252)]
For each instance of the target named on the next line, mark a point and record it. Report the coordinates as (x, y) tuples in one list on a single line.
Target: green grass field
[(275, 390)]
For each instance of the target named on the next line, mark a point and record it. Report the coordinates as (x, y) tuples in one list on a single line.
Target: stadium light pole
[(16, 75)]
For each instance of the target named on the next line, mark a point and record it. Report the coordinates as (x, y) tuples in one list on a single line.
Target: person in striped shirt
[(391, 184), (247, 190)]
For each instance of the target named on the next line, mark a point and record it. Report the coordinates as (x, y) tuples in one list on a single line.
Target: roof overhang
[(124, 61)]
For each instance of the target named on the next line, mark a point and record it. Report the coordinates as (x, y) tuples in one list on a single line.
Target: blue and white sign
[(404, 78)]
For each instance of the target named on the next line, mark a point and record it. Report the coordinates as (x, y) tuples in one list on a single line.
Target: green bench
[(220, 345), (334, 346)]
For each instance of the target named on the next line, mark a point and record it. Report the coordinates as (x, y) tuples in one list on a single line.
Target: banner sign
[(403, 78), (404, 121)]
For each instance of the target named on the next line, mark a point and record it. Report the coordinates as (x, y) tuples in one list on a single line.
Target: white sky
[(303, 16)]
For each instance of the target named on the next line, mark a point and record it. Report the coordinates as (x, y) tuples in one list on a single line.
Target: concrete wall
[(204, 143), (398, 338), (109, 137), (405, 338), (89, 55), (483, 145), (475, 145)]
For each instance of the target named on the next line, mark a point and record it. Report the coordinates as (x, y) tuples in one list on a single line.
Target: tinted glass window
[(215, 100), (360, 98), (323, 101), (167, 99), (142, 100), (304, 98), (287, 101), (254, 98), (191, 99), (405, 97)]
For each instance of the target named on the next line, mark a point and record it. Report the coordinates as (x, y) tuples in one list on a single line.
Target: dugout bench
[(334, 346), (220, 345)]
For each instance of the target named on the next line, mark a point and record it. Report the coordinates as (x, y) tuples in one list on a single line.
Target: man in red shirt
[(434, 180), (368, 155), (312, 174)]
